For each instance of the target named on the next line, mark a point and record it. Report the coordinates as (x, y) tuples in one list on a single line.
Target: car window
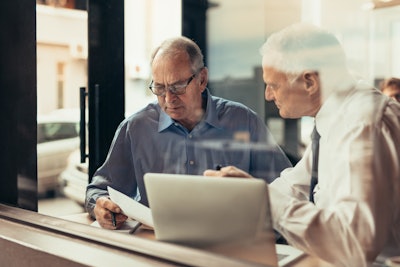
[(56, 131)]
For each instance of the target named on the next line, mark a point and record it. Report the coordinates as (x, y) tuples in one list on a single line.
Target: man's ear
[(312, 81), (203, 77)]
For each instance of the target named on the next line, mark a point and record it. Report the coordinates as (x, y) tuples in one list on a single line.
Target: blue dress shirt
[(150, 141)]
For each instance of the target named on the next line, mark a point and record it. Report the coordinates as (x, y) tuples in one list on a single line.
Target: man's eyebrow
[(177, 82), (157, 83)]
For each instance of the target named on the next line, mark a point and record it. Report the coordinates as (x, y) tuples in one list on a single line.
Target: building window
[(60, 84)]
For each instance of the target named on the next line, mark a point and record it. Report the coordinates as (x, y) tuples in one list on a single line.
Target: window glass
[(56, 131), (368, 31)]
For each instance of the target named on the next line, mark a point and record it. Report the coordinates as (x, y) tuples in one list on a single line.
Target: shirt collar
[(164, 121), (332, 106), (210, 116)]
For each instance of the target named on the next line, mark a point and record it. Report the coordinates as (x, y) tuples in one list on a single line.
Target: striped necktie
[(314, 169)]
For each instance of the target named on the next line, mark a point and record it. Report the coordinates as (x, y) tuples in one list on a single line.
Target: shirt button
[(191, 162), (190, 136)]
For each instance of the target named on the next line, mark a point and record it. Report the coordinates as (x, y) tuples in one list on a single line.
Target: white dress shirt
[(357, 199)]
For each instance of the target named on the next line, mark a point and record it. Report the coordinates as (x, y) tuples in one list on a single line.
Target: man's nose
[(169, 97), (268, 94)]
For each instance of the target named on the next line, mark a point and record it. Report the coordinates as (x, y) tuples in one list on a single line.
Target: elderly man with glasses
[(186, 132)]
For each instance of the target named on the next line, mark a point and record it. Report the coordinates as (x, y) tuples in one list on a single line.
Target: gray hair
[(302, 47), (176, 45)]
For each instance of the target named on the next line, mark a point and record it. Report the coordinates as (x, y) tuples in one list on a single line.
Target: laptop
[(217, 214)]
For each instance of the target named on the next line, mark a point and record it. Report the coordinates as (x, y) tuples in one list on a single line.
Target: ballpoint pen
[(218, 167), (114, 222), (133, 230)]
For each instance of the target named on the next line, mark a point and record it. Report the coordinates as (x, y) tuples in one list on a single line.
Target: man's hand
[(103, 211), (228, 171)]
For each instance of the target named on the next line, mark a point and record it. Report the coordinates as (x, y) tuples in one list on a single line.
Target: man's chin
[(172, 112), (286, 115), (175, 115), (282, 114)]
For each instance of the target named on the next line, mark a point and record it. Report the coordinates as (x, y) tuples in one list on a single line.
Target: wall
[(61, 38)]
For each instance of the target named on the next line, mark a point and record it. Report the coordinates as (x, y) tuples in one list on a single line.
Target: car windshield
[(53, 131)]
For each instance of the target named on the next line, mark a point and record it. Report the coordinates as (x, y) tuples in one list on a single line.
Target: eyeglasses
[(177, 89)]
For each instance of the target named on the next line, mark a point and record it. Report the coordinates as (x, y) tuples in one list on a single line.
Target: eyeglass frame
[(172, 88)]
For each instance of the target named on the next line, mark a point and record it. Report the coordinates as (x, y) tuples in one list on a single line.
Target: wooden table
[(254, 253)]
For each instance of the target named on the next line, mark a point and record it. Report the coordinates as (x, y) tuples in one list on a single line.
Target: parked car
[(57, 138), (75, 178)]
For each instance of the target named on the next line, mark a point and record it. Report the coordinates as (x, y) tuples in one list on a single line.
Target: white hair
[(301, 47), (306, 47)]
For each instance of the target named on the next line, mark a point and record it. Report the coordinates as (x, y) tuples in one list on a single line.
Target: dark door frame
[(18, 157)]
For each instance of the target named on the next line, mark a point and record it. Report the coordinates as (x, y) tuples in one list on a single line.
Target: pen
[(114, 222), (133, 230)]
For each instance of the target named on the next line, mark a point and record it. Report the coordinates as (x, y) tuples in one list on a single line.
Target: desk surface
[(254, 253)]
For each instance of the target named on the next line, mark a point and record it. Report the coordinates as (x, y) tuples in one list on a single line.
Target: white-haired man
[(346, 210)]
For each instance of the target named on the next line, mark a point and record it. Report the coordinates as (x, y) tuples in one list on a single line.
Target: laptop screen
[(219, 214)]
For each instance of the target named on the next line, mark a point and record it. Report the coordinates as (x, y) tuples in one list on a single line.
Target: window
[(54, 131)]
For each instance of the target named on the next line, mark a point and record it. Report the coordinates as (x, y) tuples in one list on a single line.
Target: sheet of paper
[(128, 227), (131, 208), (287, 254)]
